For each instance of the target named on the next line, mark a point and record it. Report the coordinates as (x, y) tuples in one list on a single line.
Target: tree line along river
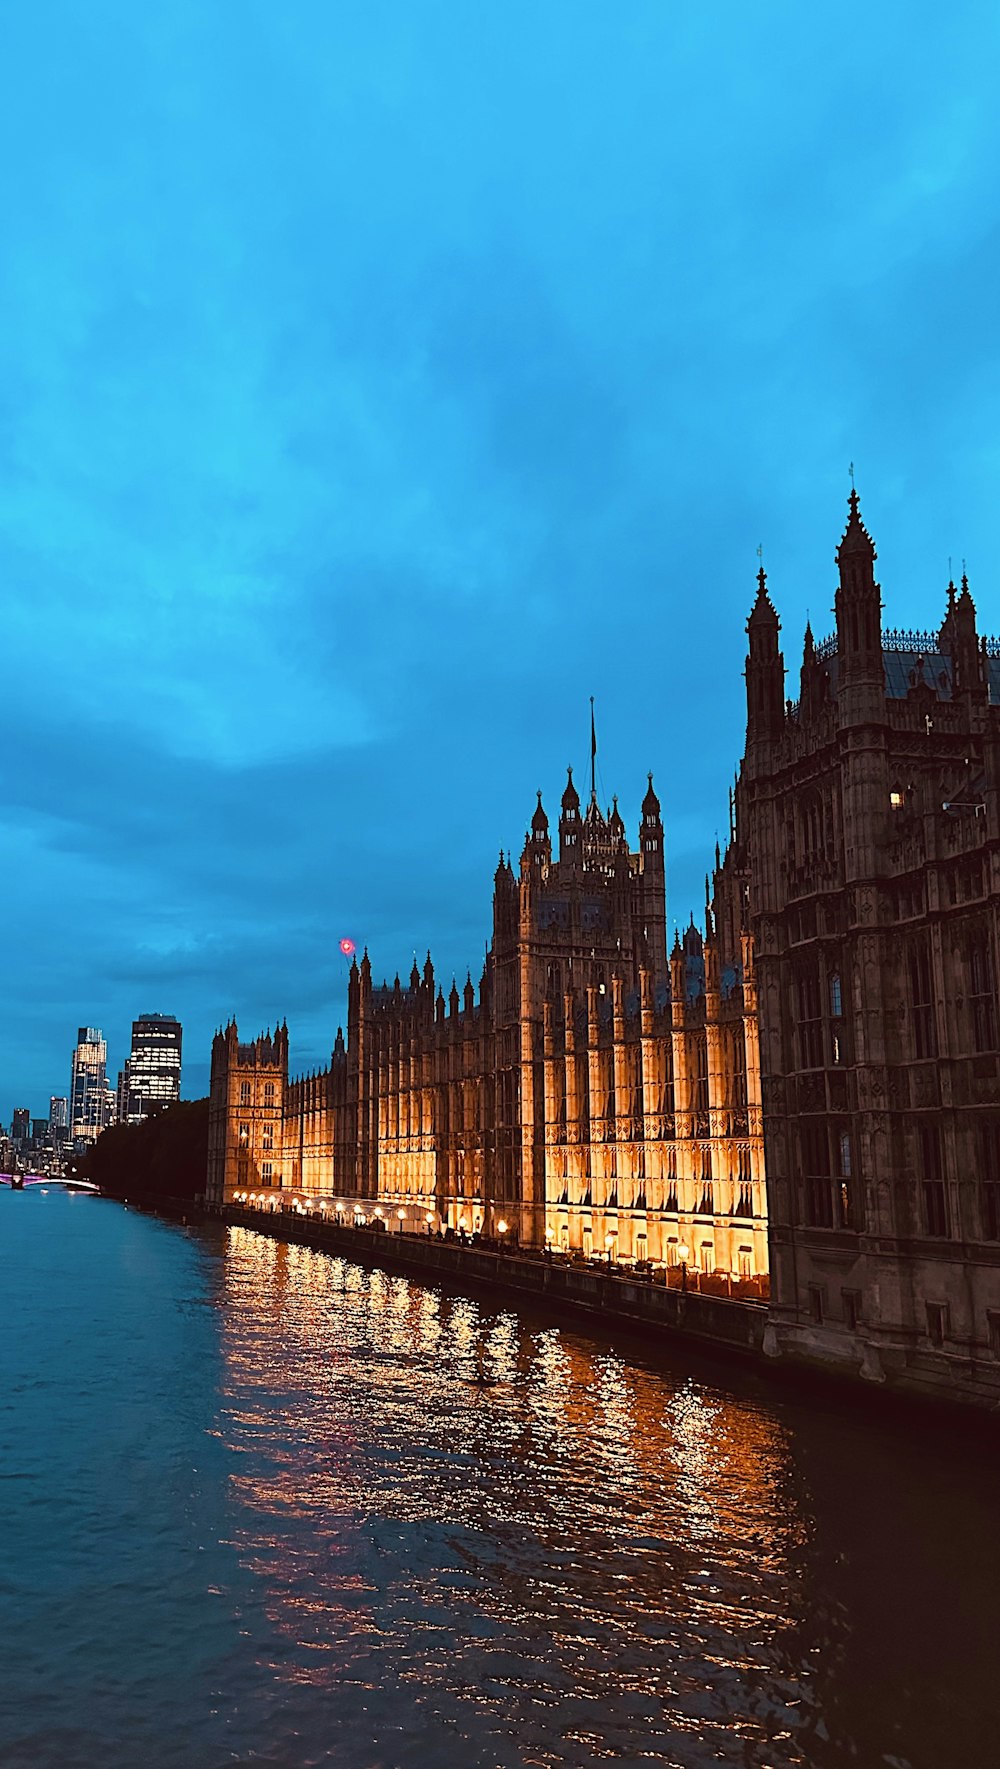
[(264, 1507)]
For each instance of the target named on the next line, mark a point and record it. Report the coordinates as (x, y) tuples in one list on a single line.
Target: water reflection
[(535, 1548), (262, 1507)]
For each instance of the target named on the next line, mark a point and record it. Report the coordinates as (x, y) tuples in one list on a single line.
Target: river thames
[(264, 1507)]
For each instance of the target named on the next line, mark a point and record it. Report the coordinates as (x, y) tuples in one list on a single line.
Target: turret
[(765, 670), (505, 906), (814, 682), (651, 828), (678, 988), (653, 881), (858, 606), (961, 641), (569, 824), (538, 847)]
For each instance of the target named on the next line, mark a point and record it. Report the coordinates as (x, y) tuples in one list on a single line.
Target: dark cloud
[(375, 386)]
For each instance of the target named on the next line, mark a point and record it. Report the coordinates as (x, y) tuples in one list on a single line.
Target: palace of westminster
[(806, 1089)]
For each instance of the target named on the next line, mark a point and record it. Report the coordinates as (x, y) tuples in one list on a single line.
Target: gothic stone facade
[(592, 1094), (868, 824)]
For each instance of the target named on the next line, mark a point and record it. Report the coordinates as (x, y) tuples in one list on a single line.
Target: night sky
[(378, 383)]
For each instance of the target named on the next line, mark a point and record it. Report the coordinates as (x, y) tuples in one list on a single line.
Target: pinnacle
[(855, 538), (763, 612)]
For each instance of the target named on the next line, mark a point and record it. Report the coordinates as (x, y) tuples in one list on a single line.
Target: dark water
[(260, 1507)]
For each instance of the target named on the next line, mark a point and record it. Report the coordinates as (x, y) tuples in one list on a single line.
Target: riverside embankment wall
[(732, 1326)]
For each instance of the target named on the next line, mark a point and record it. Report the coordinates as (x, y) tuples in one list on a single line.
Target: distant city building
[(151, 1077), (20, 1128), (89, 1105), (39, 1130), (58, 1113)]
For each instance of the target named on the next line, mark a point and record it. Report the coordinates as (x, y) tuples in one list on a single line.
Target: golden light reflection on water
[(518, 1538)]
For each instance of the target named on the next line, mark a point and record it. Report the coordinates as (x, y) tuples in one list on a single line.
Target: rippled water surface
[(263, 1507)]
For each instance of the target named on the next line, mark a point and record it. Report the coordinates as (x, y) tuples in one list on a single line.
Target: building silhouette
[(151, 1077), (868, 824), (590, 1093)]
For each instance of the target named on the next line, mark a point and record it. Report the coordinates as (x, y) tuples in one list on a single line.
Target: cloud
[(377, 385)]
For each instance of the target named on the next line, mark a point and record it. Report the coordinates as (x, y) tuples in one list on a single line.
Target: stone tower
[(246, 1114)]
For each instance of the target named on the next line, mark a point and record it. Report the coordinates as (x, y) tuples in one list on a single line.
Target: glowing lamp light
[(348, 947), (501, 1227), (378, 1210), (428, 1217), (549, 1234), (401, 1215)]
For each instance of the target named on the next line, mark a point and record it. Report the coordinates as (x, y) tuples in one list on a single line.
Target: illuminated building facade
[(592, 1093), (868, 822), (91, 1102), (151, 1077)]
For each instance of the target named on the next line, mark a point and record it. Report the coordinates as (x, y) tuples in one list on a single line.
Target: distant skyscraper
[(88, 1096), (152, 1074), (20, 1129), (58, 1113)]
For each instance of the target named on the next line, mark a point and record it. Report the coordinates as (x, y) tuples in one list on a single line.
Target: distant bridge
[(33, 1179)]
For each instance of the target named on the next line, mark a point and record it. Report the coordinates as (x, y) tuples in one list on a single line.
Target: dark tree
[(164, 1157)]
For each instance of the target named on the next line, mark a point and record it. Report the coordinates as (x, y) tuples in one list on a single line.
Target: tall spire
[(855, 538), (858, 607), (593, 753), (762, 614), (765, 669)]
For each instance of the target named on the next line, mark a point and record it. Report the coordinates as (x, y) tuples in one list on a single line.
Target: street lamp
[(400, 1218), (682, 1253), (501, 1228)]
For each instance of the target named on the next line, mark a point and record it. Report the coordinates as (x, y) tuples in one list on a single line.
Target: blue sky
[(379, 382)]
